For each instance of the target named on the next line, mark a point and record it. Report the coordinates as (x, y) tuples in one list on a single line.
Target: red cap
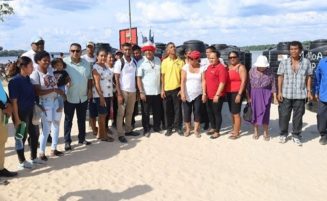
[(194, 54)]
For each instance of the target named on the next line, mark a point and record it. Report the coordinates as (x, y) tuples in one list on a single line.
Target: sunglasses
[(73, 51), (232, 57)]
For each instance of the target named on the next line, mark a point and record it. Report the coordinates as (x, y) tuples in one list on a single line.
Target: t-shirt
[(46, 81), (22, 89), (127, 75), (62, 77), (149, 71), (91, 60), (214, 75), (171, 69)]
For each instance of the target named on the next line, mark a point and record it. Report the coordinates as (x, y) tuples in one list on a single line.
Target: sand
[(178, 168)]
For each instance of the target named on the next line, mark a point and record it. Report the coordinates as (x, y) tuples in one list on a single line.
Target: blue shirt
[(3, 95), (80, 74), (320, 85), (149, 71), (22, 89)]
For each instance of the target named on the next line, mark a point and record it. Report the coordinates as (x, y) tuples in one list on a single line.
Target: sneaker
[(323, 140), (25, 164), (38, 161), (282, 139), (6, 173), (56, 153), (297, 141), (43, 157)]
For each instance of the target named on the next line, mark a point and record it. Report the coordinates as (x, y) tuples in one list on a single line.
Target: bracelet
[(239, 94)]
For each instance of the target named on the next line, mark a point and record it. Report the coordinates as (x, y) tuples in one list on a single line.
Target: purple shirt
[(265, 79)]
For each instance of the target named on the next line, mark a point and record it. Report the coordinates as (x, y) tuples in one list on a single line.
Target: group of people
[(172, 89)]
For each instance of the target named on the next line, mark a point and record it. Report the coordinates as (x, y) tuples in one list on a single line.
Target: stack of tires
[(275, 55), (245, 56), (105, 46), (160, 49), (195, 45)]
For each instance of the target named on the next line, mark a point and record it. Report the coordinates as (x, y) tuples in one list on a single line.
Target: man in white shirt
[(37, 46), (93, 112), (148, 81), (125, 75)]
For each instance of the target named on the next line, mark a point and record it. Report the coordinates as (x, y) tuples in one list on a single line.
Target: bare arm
[(280, 81), (183, 80), (243, 76), (309, 81), (204, 88), (140, 87)]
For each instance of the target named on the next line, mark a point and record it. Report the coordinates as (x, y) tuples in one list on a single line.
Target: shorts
[(103, 110), (93, 110), (234, 108)]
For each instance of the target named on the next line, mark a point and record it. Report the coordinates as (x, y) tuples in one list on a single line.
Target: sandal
[(187, 133), (215, 135), (234, 137), (255, 136), (197, 134), (266, 137), (210, 132)]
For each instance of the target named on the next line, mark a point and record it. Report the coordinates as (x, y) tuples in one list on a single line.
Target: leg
[(33, 132), (211, 116), (156, 112), (298, 112), (93, 113), (187, 109), (169, 111), (322, 118), (197, 106), (177, 104), (266, 132), (284, 110), (120, 115), (256, 131), (216, 109), (145, 107), (129, 111), (69, 110), (81, 116), (3, 140)]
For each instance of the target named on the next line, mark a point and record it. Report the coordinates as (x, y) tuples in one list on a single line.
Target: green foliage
[(5, 9), (9, 53)]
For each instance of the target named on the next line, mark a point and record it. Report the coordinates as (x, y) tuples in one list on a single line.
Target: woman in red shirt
[(215, 79), (237, 76)]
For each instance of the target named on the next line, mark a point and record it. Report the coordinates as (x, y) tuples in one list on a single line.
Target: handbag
[(247, 112), (37, 112)]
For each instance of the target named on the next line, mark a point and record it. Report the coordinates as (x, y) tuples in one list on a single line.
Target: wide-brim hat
[(261, 61)]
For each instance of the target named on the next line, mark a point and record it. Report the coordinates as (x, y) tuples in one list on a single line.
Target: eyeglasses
[(73, 51), (232, 57)]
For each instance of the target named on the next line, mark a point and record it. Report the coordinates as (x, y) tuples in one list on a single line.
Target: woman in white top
[(46, 88), (191, 92), (102, 92)]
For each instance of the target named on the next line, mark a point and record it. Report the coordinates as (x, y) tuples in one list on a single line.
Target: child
[(62, 77)]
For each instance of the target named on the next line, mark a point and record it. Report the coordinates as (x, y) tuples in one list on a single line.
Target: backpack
[(122, 61)]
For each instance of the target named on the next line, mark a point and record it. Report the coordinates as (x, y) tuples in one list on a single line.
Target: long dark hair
[(13, 68)]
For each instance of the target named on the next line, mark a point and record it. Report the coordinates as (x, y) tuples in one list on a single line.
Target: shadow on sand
[(97, 194)]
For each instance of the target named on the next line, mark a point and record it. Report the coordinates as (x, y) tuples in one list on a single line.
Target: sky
[(237, 22)]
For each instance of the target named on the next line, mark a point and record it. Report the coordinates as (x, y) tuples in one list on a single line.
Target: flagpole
[(130, 21)]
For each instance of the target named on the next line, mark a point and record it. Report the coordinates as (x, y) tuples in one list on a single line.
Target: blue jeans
[(50, 122), (69, 109), (60, 98)]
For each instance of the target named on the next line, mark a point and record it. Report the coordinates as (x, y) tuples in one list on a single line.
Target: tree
[(5, 9)]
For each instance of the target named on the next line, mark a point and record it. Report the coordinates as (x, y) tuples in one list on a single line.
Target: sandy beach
[(174, 168)]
